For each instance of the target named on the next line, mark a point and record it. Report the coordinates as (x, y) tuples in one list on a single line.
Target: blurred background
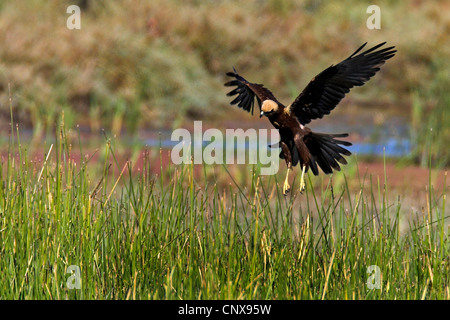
[(138, 68)]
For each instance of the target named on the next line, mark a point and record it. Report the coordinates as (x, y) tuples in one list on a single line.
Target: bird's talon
[(302, 181), (302, 188), (286, 186), (286, 189)]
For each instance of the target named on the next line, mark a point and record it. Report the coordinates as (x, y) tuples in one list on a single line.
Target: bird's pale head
[(268, 107)]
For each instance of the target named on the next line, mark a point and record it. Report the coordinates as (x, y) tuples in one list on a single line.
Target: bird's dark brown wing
[(327, 89), (247, 92)]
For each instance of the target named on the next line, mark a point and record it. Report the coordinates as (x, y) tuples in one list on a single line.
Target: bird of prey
[(323, 93)]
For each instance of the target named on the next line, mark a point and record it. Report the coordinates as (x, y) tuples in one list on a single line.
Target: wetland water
[(390, 138)]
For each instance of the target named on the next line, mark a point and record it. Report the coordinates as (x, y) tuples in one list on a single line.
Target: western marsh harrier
[(323, 93)]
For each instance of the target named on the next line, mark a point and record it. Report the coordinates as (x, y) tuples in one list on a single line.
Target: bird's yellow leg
[(286, 186), (302, 180)]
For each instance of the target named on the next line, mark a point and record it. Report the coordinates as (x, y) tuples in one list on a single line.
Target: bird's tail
[(326, 151)]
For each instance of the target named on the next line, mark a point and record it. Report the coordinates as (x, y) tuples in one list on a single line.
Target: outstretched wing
[(327, 89), (247, 92)]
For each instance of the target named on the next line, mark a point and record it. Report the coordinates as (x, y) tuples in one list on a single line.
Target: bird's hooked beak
[(261, 114)]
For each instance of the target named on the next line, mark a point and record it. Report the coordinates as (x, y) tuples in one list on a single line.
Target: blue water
[(389, 138), (393, 148)]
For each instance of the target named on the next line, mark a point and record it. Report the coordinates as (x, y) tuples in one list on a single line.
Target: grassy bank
[(173, 236)]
